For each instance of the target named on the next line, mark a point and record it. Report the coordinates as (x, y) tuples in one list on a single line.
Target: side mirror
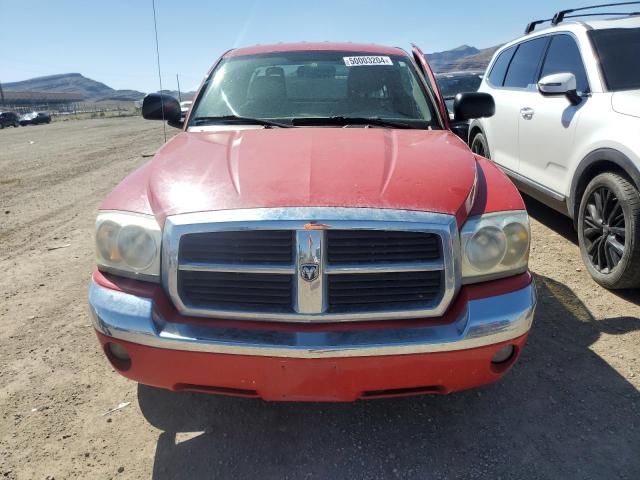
[(160, 106), (467, 106), (560, 84)]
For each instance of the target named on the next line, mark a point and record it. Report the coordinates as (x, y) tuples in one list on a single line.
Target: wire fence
[(84, 109)]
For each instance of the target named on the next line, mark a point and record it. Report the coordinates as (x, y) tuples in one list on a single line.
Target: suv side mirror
[(467, 106), (560, 84), (155, 105)]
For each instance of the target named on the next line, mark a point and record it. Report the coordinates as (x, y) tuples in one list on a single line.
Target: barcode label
[(362, 60)]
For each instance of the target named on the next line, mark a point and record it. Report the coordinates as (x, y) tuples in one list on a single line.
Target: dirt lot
[(569, 409)]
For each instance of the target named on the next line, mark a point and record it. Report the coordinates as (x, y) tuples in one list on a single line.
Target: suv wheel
[(609, 231), (479, 145)]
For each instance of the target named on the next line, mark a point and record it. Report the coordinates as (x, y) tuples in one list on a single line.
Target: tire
[(609, 231), (16, 125), (1, 126), (479, 145)]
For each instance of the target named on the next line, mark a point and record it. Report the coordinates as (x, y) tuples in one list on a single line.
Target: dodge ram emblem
[(309, 271)]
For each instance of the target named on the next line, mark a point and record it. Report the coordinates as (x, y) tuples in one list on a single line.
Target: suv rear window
[(618, 50), (524, 65), (499, 69)]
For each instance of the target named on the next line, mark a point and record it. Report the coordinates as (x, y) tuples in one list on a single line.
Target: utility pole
[(179, 95), (1, 94)]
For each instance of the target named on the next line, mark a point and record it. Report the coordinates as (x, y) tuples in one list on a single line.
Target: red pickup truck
[(316, 232)]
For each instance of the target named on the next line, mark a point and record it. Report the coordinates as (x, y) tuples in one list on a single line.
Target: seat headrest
[(366, 80), (271, 86), (316, 71), (275, 71)]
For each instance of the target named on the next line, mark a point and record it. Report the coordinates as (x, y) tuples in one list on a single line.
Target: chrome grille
[(244, 291), (252, 246), (381, 246), (372, 290), (311, 264)]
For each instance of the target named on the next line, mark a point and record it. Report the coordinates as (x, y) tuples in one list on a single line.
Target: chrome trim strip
[(384, 268), (483, 322), (313, 219), (533, 184), (236, 268)]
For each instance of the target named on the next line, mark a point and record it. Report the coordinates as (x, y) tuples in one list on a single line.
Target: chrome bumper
[(484, 322)]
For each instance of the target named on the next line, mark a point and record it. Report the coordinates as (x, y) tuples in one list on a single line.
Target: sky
[(113, 41)]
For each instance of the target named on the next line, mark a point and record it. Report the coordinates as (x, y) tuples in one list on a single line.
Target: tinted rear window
[(499, 69), (619, 53), (524, 65)]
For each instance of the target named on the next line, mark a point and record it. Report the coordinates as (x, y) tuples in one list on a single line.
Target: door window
[(563, 56), (499, 69), (524, 65)]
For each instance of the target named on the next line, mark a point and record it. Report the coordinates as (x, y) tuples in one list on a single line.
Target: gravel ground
[(569, 409)]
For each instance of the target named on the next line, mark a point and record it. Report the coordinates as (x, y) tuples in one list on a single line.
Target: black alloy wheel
[(609, 230), (479, 145), (604, 230)]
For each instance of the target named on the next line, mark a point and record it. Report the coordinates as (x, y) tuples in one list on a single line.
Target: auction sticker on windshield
[(364, 60)]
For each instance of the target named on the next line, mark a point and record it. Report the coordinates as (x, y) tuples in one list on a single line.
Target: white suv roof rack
[(564, 14)]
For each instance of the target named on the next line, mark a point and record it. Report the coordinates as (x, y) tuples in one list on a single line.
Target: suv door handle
[(527, 113)]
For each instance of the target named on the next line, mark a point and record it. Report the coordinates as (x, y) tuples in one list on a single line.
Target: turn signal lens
[(106, 241), (517, 243)]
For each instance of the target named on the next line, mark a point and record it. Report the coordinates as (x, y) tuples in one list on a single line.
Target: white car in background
[(567, 130), (184, 107)]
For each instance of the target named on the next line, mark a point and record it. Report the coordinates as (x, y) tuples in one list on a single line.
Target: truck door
[(424, 66)]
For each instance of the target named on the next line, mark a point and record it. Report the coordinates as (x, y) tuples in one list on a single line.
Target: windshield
[(288, 86), (618, 50)]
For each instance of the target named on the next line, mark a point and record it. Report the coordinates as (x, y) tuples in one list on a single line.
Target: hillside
[(73, 83), (463, 58)]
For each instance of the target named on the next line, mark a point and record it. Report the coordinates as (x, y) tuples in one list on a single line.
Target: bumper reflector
[(504, 354), (118, 356)]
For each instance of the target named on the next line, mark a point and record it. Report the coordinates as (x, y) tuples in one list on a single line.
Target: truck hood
[(348, 167), (627, 102)]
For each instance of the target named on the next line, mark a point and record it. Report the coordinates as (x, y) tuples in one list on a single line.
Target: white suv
[(567, 131)]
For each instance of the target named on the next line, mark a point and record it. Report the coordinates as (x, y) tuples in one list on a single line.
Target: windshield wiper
[(340, 120), (236, 120)]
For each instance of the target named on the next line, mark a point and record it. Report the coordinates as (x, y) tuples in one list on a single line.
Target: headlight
[(128, 244), (495, 245)]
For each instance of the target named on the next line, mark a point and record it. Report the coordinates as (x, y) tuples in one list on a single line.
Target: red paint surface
[(126, 285), (347, 167), (327, 379), (316, 46), (379, 168), (495, 192)]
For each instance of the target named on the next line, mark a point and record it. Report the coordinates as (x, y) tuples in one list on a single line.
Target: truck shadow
[(562, 412)]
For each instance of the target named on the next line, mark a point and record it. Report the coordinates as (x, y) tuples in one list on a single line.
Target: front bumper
[(303, 363)]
